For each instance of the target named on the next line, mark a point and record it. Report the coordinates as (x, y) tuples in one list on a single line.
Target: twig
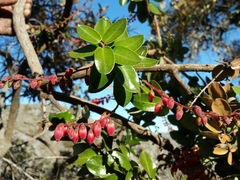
[(22, 35), (53, 100), (18, 168)]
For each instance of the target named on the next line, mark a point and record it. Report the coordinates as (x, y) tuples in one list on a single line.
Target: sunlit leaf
[(148, 164), (104, 60), (221, 107), (84, 156), (65, 116), (83, 52), (95, 165), (123, 2), (154, 9), (88, 34), (220, 149), (133, 42), (213, 126), (114, 31), (224, 138), (142, 51), (229, 159), (128, 77), (209, 134), (102, 25), (236, 89), (146, 63), (125, 56)]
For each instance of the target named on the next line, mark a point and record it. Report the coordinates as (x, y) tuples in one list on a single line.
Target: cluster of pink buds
[(66, 79), (101, 100), (201, 117), (82, 131)]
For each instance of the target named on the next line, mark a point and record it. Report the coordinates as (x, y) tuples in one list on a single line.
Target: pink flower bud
[(33, 83), (2, 84), (103, 122), (59, 131), (151, 96), (227, 120), (204, 119), (197, 110), (82, 132), (110, 128), (97, 129), (70, 132), (165, 100), (75, 136), (179, 113), (158, 108), (68, 73), (53, 79), (96, 101), (171, 103), (90, 137)]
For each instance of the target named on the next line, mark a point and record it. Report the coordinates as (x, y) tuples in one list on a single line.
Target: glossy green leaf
[(104, 60), (124, 150), (117, 161), (148, 164), (141, 102), (142, 51), (156, 84), (154, 9), (99, 81), (128, 77), (114, 31), (121, 95), (236, 89), (95, 165), (129, 175), (110, 177), (146, 63), (133, 42), (125, 56), (123, 2), (88, 34), (65, 116), (102, 25), (123, 36), (84, 156), (83, 52)]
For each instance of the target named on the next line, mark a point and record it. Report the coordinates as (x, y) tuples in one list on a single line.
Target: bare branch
[(21, 32)]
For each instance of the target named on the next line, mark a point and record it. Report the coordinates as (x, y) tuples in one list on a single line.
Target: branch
[(155, 138), (22, 35)]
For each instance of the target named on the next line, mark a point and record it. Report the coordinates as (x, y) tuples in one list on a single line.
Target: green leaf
[(184, 50), (142, 51), (88, 34), (123, 2), (65, 116), (99, 81), (111, 177), (124, 150), (236, 89), (95, 166), (125, 56), (84, 156), (102, 25), (154, 9), (146, 63), (133, 43), (83, 52), (121, 95), (155, 84), (123, 36), (148, 164), (128, 77), (104, 60), (114, 31), (129, 175), (117, 161)]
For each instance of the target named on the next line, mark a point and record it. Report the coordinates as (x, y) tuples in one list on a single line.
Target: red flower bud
[(33, 83), (82, 132), (2, 84), (151, 96), (75, 136), (16, 84), (49, 87), (70, 132), (96, 101), (53, 79), (90, 137), (97, 129), (179, 113), (62, 84), (59, 131), (158, 108), (110, 128), (197, 110), (68, 73), (70, 83), (199, 121), (165, 100), (39, 83), (204, 119), (103, 122), (171, 103)]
